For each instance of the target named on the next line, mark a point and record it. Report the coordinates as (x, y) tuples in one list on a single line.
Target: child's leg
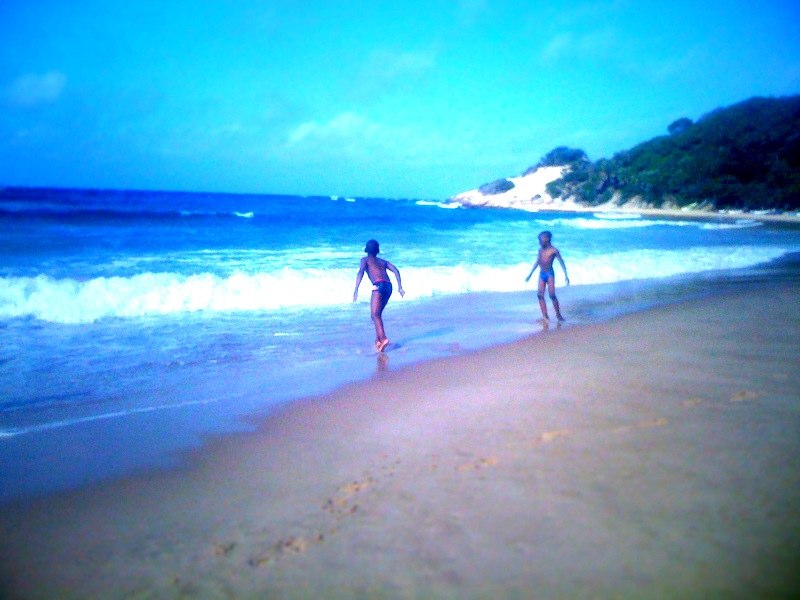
[(377, 305), (540, 295), (554, 299)]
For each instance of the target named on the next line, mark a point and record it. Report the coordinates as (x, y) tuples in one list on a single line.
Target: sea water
[(135, 325)]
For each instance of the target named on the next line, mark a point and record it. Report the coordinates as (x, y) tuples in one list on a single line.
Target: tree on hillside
[(743, 156), (496, 187), (559, 157), (679, 126)]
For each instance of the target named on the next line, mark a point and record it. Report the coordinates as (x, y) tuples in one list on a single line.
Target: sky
[(394, 99)]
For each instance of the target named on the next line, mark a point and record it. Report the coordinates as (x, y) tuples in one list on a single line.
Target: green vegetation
[(745, 156), (496, 187), (558, 157)]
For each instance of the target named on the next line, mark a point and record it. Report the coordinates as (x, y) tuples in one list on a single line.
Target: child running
[(381, 288), (547, 276)]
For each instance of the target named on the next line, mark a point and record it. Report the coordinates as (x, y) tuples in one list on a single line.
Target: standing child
[(381, 288), (547, 276)]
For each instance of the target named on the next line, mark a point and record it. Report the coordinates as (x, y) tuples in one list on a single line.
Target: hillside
[(745, 156)]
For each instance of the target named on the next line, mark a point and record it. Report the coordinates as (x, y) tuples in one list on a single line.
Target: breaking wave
[(73, 301)]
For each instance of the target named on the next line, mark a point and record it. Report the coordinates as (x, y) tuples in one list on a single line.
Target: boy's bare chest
[(546, 256)]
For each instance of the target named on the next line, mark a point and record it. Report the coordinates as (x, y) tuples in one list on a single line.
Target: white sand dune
[(529, 192)]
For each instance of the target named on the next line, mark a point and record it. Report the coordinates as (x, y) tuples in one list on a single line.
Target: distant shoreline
[(529, 193), (665, 212), (572, 207)]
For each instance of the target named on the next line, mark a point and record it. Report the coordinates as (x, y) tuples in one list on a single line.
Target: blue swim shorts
[(384, 288), (546, 275)]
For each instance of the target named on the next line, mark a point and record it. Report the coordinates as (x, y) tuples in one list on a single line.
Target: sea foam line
[(637, 222), (9, 433)]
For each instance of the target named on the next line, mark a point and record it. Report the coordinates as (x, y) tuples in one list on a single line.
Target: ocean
[(136, 326)]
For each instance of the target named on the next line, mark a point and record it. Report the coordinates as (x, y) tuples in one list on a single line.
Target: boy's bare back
[(375, 268)]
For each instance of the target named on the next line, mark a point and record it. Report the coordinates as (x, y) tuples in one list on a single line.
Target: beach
[(655, 455), (134, 326)]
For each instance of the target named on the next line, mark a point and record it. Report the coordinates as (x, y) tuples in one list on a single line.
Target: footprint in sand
[(285, 547), (551, 436), (658, 422), (293, 545), (745, 396), (339, 506), (481, 463), (224, 549)]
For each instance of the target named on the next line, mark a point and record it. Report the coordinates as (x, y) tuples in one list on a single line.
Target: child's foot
[(560, 318), (379, 346)]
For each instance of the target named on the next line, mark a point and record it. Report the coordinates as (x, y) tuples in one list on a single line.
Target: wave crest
[(71, 301)]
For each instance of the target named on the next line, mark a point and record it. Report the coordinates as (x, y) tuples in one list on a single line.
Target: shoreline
[(678, 213), (217, 402), (571, 207), (664, 434), (49, 463)]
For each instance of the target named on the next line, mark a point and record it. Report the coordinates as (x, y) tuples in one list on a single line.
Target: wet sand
[(654, 456)]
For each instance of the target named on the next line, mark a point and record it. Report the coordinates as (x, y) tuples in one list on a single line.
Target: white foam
[(447, 205), (213, 213), (630, 223), (636, 221), (616, 215), (654, 264), (70, 301), (738, 224)]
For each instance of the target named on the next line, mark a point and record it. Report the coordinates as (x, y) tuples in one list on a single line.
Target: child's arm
[(533, 268), (362, 267), (394, 270), (563, 266)]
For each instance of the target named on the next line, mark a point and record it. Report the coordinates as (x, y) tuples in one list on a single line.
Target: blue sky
[(395, 99)]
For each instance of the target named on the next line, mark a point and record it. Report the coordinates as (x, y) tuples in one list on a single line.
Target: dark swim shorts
[(545, 275), (384, 288)]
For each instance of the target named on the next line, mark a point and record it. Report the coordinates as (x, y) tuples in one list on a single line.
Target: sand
[(655, 456), (529, 193)]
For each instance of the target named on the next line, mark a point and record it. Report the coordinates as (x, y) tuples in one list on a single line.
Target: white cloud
[(347, 126), (368, 143), (34, 89), (557, 46), (593, 44), (386, 69)]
